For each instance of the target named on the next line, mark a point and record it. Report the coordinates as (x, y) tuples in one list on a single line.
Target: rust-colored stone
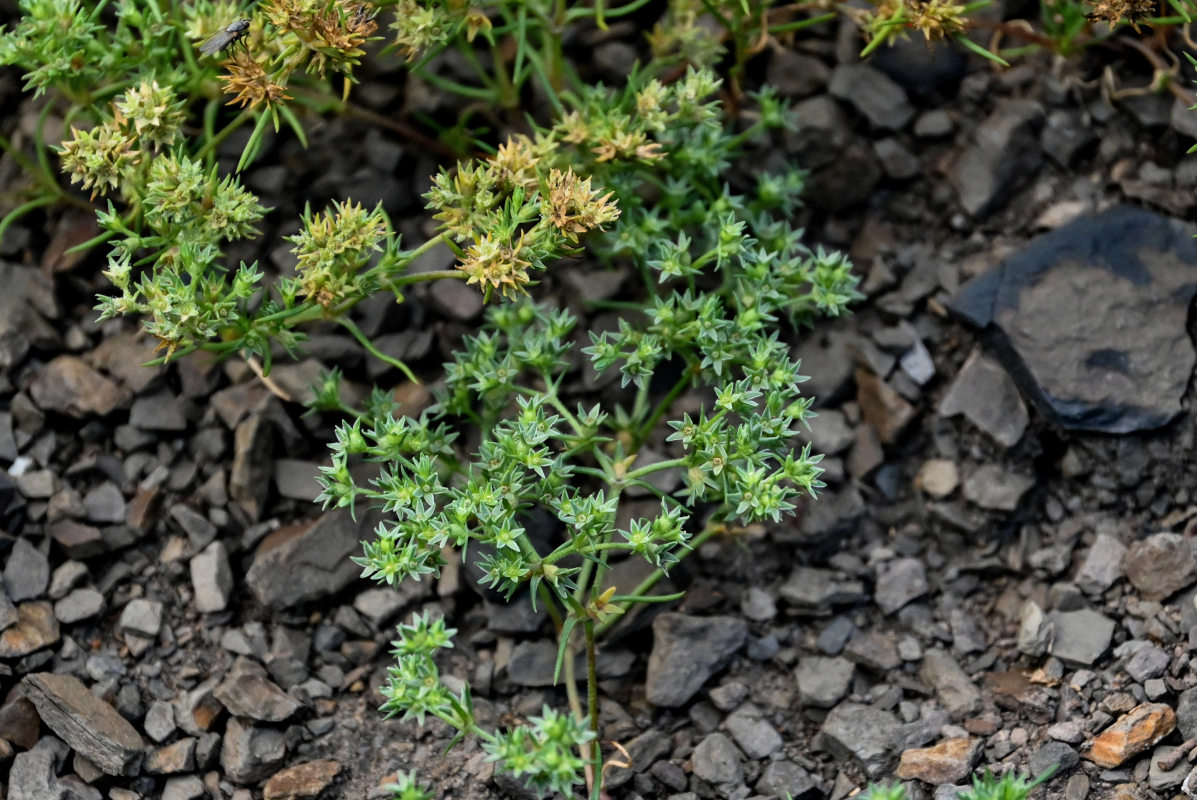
[(144, 509), (1131, 734), (302, 781), (35, 628), (882, 407), (950, 761)]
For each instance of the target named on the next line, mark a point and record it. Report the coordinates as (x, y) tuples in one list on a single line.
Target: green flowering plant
[(635, 178), (722, 273)]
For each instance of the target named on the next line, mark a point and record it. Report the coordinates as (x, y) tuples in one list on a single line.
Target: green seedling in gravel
[(1010, 786)]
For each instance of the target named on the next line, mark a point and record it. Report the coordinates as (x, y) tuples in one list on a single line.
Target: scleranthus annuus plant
[(723, 274), (635, 177)]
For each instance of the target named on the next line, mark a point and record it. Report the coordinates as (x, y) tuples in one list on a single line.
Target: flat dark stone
[(89, 725), (1093, 319)]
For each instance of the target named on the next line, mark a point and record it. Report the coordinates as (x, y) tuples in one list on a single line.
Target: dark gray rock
[(32, 777), (643, 751), (249, 754), (159, 721), (795, 74), (850, 178), (184, 787), (28, 305), (716, 760), (90, 726), (956, 691), (826, 355), (873, 94), (8, 610), (754, 734), (69, 386), (988, 398), (158, 412), (899, 582), (299, 564), (199, 529), (79, 605), (829, 432), (26, 572), (811, 588), (1035, 630), (1102, 566), (297, 479), (1065, 135), (686, 652), (757, 604), (1186, 713), (1159, 779), (1081, 637), (1147, 662), (141, 617), (533, 663), (249, 478), (785, 779), (897, 162), (875, 649), (835, 636), (1160, 565), (1053, 754), (212, 578), (967, 635), (253, 697), (823, 682), (1003, 155), (1064, 305), (871, 736), (996, 488)]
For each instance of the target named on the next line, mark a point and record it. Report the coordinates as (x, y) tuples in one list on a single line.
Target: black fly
[(236, 31)]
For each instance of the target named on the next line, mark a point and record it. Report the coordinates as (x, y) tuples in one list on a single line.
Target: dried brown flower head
[(1133, 11), (936, 19), (250, 84), (517, 159), (573, 208)]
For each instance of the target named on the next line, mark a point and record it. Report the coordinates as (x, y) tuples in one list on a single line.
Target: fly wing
[(217, 43)]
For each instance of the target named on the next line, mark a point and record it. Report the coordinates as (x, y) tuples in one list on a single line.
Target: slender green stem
[(649, 469), (790, 27), (583, 12), (571, 681), (431, 275), (365, 342), (458, 88), (596, 752), (22, 210), (92, 242), (568, 549)]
